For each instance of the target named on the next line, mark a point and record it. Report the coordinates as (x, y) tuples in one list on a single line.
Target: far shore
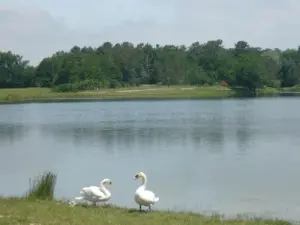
[(147, 92)]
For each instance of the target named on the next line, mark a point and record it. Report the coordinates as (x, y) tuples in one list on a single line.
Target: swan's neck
[(104, 189), (144, 182)]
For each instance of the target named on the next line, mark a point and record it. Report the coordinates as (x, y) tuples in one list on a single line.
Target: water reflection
[(10, 133), (244, 120), (138, 135)]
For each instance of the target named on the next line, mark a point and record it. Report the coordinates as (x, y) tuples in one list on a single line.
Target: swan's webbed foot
[(140, 208), (150, 208)]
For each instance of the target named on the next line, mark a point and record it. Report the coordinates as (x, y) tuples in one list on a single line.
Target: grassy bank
[(25, 212), (295, 88), (144, 92)]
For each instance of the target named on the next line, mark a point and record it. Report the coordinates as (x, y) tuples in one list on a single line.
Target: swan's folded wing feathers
[(93, 191), (85, 191), (96, 192), (148, 195)]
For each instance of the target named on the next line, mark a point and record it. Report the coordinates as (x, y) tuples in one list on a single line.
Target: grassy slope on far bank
[(144, 92), (25, 212)]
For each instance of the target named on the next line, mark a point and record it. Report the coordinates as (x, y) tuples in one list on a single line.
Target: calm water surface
[(229, 156)]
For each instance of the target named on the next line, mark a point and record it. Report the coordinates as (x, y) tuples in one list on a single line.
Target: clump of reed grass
[(42, 186)]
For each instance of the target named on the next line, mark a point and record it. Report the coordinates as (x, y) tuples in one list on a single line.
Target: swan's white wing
[(93, 191), (97, 193), (148, 196)]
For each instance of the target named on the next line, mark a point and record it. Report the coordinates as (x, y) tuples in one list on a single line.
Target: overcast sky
[(38, 28)]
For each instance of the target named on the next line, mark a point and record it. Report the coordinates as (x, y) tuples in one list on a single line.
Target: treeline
[(125, 64)]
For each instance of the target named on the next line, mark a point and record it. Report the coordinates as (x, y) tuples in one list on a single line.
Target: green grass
[(15, 211), (144, 92), (295, 88), (18, 95), (42, 187)]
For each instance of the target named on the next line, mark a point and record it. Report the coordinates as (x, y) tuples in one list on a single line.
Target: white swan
[(95, 194), (142, 196)]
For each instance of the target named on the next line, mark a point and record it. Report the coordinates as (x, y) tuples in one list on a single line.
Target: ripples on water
[(223, 155)]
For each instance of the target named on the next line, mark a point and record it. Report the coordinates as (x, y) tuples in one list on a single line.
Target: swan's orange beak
[(136, 177)]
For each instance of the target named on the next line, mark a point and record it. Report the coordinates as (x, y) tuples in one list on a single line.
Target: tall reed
[(42, 186)]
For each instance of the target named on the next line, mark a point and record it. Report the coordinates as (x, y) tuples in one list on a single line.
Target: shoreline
[(100, 99), (23, 211), (120, 99), (44, 95)]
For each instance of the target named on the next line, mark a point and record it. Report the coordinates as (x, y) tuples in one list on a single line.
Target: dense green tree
[(15, 72), (125, 64)]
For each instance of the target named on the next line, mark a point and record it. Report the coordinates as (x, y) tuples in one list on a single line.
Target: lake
[(229, 156)]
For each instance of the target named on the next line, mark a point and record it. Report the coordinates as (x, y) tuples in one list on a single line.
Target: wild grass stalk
[(42, 186)]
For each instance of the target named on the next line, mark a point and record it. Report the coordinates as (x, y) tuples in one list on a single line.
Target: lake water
[(230, 156)]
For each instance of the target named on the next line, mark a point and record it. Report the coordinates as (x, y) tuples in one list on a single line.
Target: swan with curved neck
[(142, 196), (96, 194)]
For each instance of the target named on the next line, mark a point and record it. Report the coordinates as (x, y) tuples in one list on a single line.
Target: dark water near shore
[(231, 155)]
